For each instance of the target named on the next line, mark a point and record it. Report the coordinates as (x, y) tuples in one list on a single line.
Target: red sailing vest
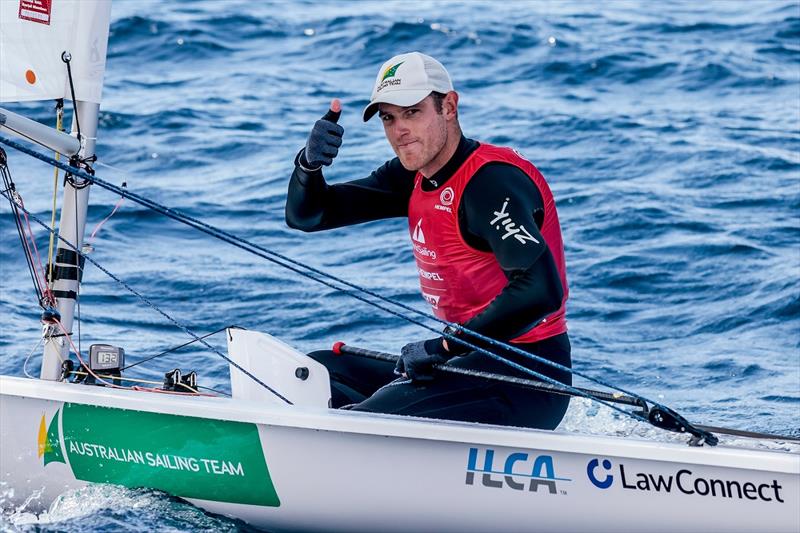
[(457, 280)]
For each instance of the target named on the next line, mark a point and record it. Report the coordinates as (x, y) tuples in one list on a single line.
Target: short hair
[(438, 98)]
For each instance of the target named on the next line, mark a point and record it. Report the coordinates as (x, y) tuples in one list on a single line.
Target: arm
[(313, 205), (534, 288)]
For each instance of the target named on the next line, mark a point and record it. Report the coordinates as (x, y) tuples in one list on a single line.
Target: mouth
[(406, 144)]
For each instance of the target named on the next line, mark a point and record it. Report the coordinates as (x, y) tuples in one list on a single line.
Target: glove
[(324, 141), (417, 359)]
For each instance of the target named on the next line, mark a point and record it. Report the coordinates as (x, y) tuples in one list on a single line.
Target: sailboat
[(273, 454)]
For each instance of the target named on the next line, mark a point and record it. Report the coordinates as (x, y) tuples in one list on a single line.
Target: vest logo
[(445, 200), (683, 481), (447, 196), (424, 251), (432, 299), (502, 220), (519, 471), (391, 71), (417, 235), (433, 276)]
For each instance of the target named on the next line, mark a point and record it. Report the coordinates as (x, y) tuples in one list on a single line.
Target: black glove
[(323, 142), (417, 359)]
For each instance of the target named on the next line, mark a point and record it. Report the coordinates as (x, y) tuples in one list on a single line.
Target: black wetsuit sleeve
[(314, 205), (502, 211)]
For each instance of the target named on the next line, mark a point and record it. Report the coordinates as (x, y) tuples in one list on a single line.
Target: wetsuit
[(534, 290)]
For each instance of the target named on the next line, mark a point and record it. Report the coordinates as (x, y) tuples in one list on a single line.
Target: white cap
[(406, 79)]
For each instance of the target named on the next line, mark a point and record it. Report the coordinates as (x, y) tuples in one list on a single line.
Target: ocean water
[(670, 135)]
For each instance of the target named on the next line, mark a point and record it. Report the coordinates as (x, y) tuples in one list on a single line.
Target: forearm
[(306, 199), (313, 205)]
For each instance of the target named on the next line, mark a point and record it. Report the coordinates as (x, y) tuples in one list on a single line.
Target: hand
[(325, 139), (417, 359)]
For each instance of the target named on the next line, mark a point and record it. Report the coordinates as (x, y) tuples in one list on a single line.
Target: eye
[(386, 117), (410, 112)]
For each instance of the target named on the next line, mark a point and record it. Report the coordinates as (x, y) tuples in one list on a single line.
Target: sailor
[(487, 243)]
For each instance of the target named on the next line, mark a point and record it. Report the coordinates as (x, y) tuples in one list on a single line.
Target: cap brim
[(401, 98)]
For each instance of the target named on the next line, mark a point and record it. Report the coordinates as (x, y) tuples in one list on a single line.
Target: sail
[(33, 35)]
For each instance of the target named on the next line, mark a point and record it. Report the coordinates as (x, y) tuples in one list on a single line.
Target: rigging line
[(13, 193), (79, 268), (27, 359), (271, 256), (102, 222), (47, 295), (59, 127), (80, 358), (103, 379), (219, 392), (140, 380), (66, 57), (749, 434), (235, 242), (112, 167), (260, 251), (519, 367), (165, 352), (27, 253), (156, 308)]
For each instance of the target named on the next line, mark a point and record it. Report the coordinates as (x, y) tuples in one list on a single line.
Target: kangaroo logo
[(391, 71), (590, 471)]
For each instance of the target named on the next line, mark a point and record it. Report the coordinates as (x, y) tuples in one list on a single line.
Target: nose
[(399, 128)]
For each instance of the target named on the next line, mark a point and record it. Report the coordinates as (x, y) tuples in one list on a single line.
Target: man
[(487, 244)]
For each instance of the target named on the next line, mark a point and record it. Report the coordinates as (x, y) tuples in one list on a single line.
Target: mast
[(54, 50), (68, 265)]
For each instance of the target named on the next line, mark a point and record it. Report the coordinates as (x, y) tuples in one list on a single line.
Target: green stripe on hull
[(185, 456)]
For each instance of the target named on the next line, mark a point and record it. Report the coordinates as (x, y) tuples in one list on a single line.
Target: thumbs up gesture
[(325, 139)]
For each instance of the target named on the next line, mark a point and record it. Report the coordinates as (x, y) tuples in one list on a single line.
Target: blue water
[(670, 136)]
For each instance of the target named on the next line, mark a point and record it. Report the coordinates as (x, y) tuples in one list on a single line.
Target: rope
[(32, 259), (165, 352), (102, 379), (78, 237), (313, 273), (27, 359), (66, 57), (51, 247), (152, 306), (100, 224)]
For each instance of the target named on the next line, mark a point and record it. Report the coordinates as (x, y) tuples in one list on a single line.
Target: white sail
[(34, 34)]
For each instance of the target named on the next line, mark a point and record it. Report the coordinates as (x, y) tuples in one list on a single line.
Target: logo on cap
[(391, 71)]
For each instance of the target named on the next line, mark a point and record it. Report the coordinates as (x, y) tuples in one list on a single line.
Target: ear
[(450, 105)]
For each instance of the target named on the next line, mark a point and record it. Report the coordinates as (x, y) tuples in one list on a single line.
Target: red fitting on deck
[(337, 347)]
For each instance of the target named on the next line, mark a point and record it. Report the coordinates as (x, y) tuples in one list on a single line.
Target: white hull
[(344, 471)]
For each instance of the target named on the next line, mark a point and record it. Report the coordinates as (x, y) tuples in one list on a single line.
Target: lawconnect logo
[(603, 475), (391, 71), (591, 469), (519, 471)]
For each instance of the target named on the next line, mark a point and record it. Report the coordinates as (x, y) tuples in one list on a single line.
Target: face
[(417, 133)]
